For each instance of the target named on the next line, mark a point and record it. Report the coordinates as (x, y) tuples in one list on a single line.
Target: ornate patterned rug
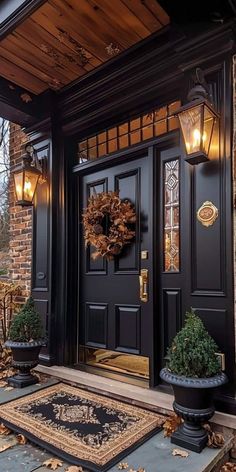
[(84, 428)]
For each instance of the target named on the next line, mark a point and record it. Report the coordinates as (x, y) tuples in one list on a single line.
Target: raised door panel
[(128, 328), (128, 185)]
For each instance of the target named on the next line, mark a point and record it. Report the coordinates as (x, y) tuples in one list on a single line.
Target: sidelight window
[(138, 129), (171, 216)]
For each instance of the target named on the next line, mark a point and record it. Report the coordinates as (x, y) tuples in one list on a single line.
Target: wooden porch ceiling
[(65, 39)]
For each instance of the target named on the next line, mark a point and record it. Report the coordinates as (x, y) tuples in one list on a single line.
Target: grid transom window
[(144, 127)]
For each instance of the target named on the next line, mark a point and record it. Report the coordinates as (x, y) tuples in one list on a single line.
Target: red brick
[(20, 221)]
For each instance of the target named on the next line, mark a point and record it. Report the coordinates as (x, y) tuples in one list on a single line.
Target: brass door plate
[(143, 285), (207, 214)]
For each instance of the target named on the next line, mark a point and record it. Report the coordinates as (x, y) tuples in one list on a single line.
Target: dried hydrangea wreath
[(108, 224)]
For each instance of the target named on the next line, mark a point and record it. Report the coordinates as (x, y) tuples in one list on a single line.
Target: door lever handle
[(143, 285)]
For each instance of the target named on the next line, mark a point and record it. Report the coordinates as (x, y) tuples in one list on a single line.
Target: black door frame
[(132, 153)]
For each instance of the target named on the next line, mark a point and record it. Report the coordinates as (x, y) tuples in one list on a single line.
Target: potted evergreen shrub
[(194, 371), (25, 341)]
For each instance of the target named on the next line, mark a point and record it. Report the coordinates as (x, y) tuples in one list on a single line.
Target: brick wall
[(20, 222)]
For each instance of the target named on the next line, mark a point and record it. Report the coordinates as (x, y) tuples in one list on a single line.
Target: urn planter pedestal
[(25, 357), (194, 403)]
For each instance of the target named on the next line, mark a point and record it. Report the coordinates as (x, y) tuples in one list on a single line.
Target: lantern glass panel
[(209, 119), (191, 125), (18, 180), (30, 183)]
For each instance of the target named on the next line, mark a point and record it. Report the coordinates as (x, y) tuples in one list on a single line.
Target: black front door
[(116, 327)]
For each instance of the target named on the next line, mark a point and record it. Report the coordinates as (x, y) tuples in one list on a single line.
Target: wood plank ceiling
[(64, 39)]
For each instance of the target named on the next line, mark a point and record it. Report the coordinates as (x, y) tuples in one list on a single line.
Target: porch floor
[(154, 455)]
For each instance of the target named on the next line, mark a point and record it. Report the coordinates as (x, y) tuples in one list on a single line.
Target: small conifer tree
[(192, 353), (26, 325)]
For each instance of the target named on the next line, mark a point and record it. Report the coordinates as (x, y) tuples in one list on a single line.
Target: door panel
[(204, 279), (111, 314)]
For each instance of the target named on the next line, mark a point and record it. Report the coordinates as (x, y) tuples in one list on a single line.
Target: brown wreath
[(108, 224)]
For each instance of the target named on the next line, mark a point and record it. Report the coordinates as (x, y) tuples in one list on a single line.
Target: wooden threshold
[(147, 398)]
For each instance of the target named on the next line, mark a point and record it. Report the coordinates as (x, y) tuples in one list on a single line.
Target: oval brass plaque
[(207, 214)]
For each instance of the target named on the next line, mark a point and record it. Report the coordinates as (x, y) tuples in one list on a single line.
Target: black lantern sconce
[(197, 119), (27, 176)]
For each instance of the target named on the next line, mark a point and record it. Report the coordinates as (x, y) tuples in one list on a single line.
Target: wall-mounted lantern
[(197, 119), (26, 177)]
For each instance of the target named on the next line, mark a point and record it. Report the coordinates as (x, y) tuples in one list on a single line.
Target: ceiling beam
[(15, 12), (20, 106), (215, 11)]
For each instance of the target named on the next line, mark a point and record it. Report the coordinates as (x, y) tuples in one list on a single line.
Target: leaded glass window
[(171, 216)]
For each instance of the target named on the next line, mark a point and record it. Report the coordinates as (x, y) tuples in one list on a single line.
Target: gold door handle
[(143, 285)]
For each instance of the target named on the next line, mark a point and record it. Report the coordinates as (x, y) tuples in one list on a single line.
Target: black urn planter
[(25, 357), (194, 403)]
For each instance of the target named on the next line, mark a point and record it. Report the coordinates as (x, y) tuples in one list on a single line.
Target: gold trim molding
[(207, 214)]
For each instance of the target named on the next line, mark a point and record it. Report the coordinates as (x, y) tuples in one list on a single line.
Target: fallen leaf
[(4, 447), (141, 470), (53, 463), (123, 465), (8, 389), (21, 439), (228, 467), (3, 383), (215, 440), (4, 430), (179, 452), (171, 424), (74, 468)]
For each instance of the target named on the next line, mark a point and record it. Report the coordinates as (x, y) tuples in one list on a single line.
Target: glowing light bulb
[(188, 146), (27, 189), (27, 185), (18, 191), (196, 138)]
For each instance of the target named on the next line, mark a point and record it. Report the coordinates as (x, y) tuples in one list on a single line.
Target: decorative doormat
[(84, 428)]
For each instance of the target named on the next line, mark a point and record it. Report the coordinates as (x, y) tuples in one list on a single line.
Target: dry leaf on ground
[(4, 430), (4, 447), (228, 467), (141, 470), (74, 468), (8, 389), (3, 383), (180, 452), (215, 439), (123, 465), (171, 424), (21, 439), (53, 463)]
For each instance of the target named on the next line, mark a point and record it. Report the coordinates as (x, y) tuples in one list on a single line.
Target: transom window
[(155, 123)]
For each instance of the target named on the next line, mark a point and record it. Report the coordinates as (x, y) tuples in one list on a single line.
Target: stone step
[(148, 398), (155, 455)]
